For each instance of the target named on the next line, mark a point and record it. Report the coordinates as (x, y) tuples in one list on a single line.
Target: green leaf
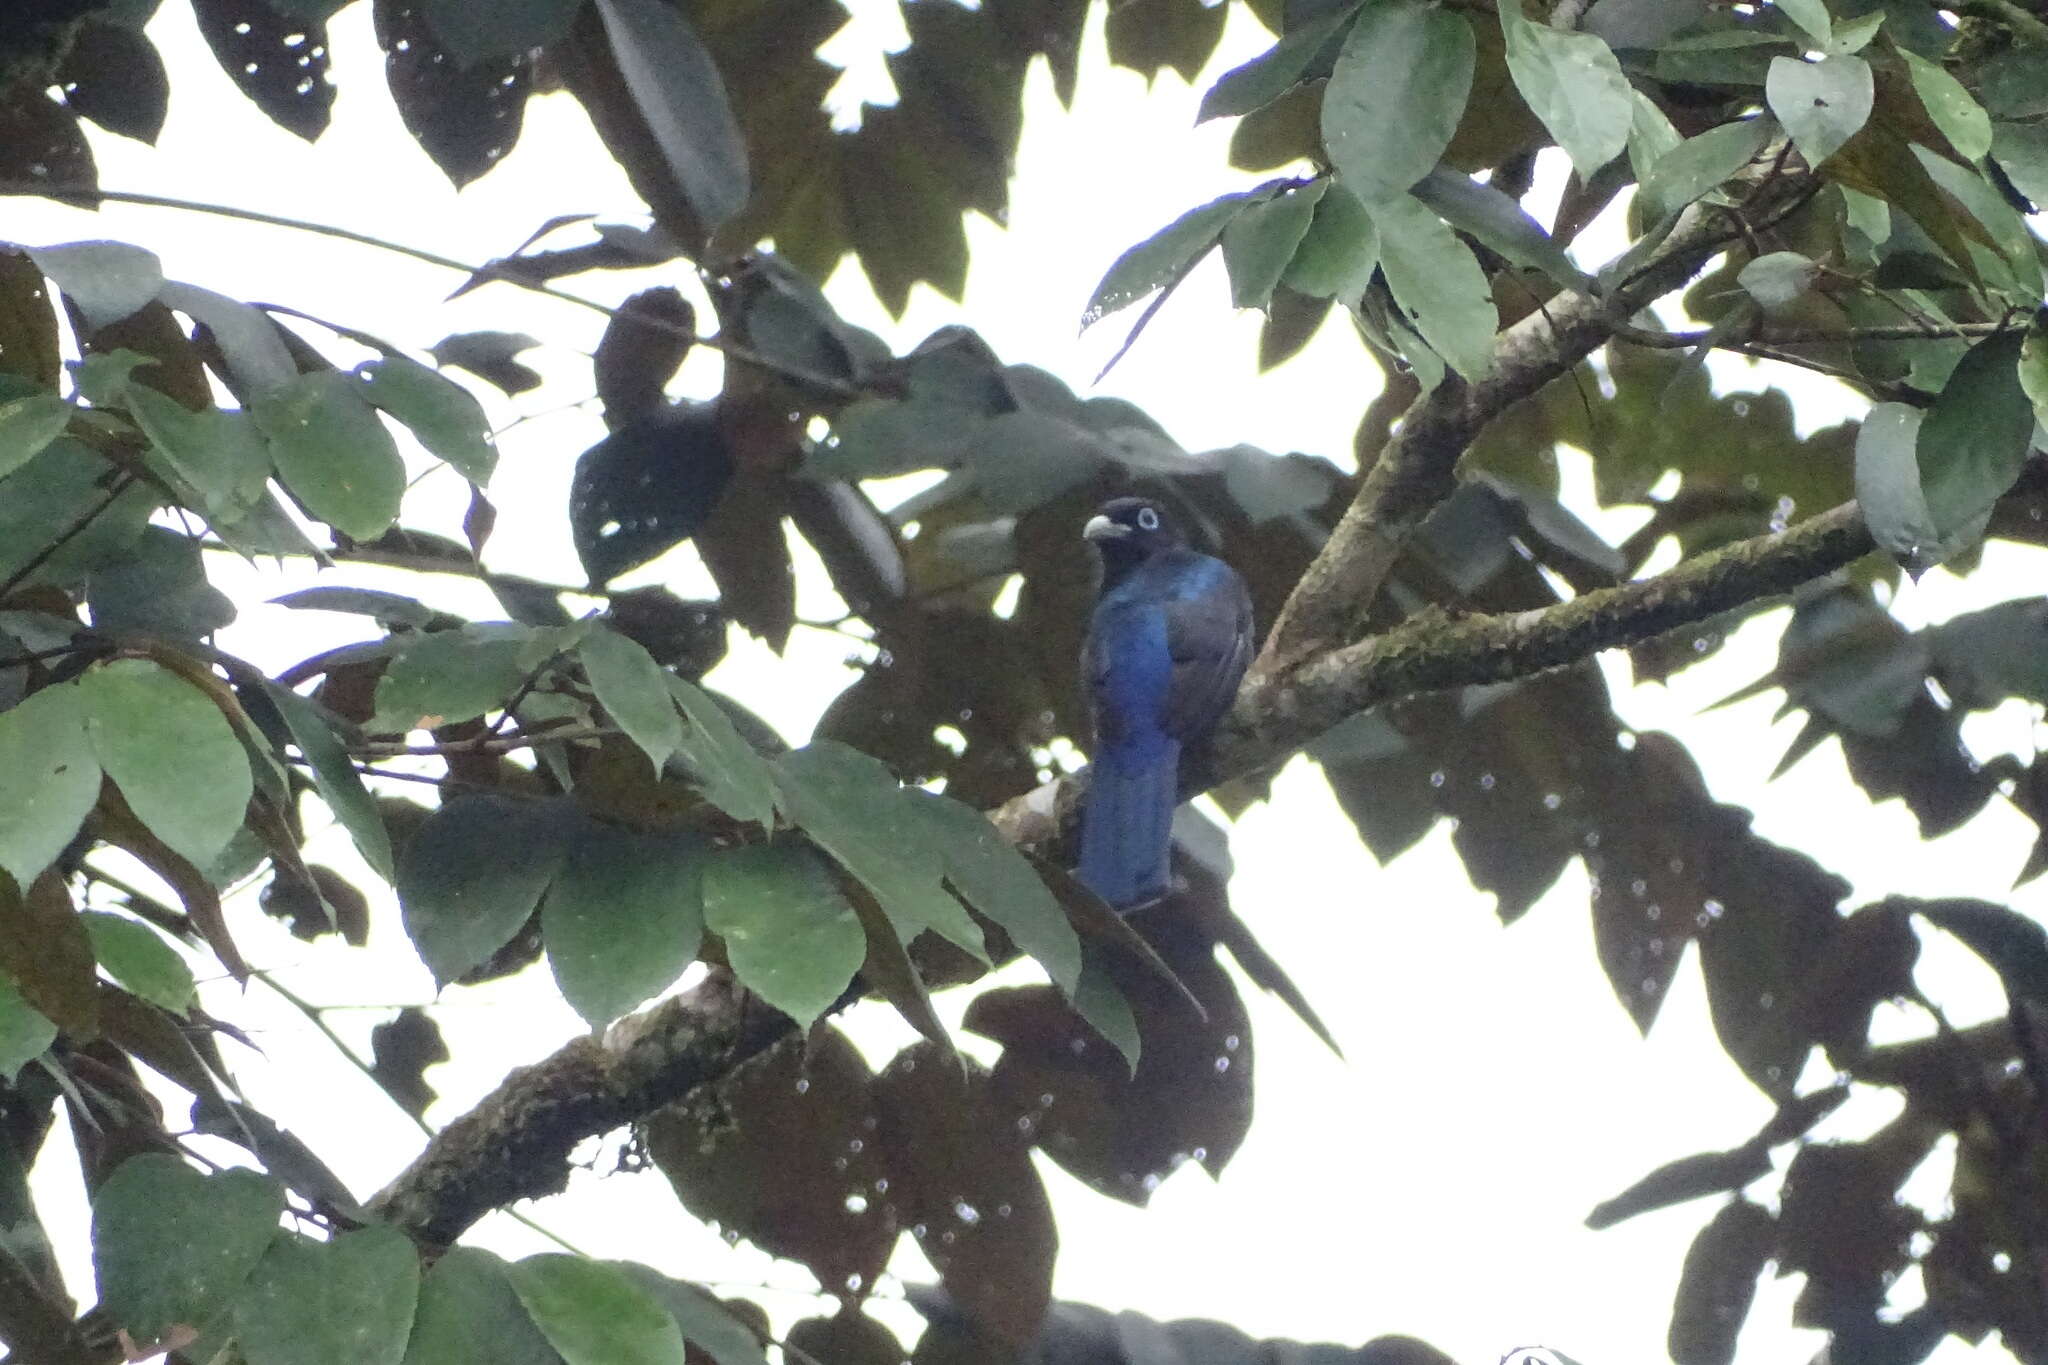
[(171, 752), (1340, 250), (158, 588), (445, 417), (1573, 83), (1812, 17), (789, 933), (471, 33), (1275, 71), (634, 690), (594, 1313), (221, 454), (1161, 258), (1778, 278), (27, 425), (446, 676), (2021, 149), (733, 776), (623, 917), (852, 806), (140, 958), (53, 779), (1888, 490), (1853, 35), (57, 489), (472, 875), (998, 881), (707, 1324), (1497, 221), (1822, 104), (2033, 373), (24, 1034), (2015, 270), (469, 1315), (1961, 119), (676, 87), (1698, 164), (171, 1246), (1975, 438), (1439, 285), (1098, 1001), (333, 452), (341, 787), (1259, 242), (108, 281), (1396, 95), (348, 1301)]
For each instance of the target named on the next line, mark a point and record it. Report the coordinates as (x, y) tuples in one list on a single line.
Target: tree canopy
[(1843, 188)]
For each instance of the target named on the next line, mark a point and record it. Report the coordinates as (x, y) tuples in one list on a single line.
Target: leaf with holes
[(650, 485), (1162, 258), (472, 33), (1822, 104), (786, 1154), (279, 62)]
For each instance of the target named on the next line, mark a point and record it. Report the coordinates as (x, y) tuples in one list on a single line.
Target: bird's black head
[(1127, 530)]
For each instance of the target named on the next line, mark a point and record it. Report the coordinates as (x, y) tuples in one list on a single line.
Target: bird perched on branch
[(1167, 645)]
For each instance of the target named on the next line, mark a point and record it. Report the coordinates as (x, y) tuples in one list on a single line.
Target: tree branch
[(1417, 469)]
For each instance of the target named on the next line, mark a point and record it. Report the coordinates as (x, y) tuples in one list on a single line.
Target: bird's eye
[(1148, 520)]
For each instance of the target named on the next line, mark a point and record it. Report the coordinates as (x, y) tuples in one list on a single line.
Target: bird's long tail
[(1127, 821)]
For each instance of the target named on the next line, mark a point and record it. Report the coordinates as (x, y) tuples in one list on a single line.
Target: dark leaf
[(2013, 945), (113, 76), (1841, 1224), (45, 145), (472, 36), (623, 916), (1975, 439), (1675, 1182), (676, 87), (1865, 962), (45, 950), (1122, 1132), (466, 118), (1303, 51), (402, 1048), (324, 902), (688, 637), (961, 1179), (785, 1152), (1149, 36), (491, 357), (279, 63), (647, 487), (1292, 321), (1719, 1282), (641, 349), (279, 1151), (473, 875), (746, 550), (28, 319), (848, 1338), (159, 589)]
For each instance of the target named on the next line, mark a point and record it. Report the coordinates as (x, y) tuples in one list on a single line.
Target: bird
[(1167, 644)]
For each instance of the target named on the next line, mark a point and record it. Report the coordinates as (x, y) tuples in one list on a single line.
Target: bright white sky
[(1432, 1184)]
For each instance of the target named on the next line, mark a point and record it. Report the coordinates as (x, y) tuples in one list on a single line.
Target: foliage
[(1860, 173)]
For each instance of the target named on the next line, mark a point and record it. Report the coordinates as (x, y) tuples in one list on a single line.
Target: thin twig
[(829, 384), (2023, 25), (483, 745)]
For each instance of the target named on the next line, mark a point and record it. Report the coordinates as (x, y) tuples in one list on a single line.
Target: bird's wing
[(1209, 636)]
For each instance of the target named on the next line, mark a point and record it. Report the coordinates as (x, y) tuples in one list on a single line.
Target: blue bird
[(1167, 645)]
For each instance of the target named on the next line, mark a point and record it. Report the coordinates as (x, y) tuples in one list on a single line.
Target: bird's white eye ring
[(1148, 520)]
